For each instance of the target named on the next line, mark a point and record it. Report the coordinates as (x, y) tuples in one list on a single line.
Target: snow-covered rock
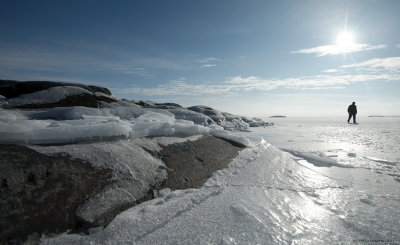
[(12, 88), (114, 176), (47, 96), (256, 122), (196, 117), (215, 115), (229, 121)]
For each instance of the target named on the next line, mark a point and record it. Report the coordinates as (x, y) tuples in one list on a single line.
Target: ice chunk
[(3, 100), (68, 131), (234, 124), (256, 122), (375, 159), (76, 112), (318, 159), (196, 117), (215, 115), (69, 113), (229, 121), (218, 131), (11, 115), (156, 124)]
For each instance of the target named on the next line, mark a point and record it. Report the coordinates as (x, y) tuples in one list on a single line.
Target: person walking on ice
[(352, 110)]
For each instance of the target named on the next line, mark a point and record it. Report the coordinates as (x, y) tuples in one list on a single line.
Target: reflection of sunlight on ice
[(347, 147), (316, 203), (309, 209)]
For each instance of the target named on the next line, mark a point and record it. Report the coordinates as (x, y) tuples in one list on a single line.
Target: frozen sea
[(301, 181), (372, 144)]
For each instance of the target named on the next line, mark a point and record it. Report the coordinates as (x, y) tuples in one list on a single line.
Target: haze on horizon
[(254, 58)]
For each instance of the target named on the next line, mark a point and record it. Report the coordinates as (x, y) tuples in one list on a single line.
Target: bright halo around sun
[(345, 39)]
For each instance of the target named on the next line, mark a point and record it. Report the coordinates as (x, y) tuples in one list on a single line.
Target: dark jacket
[(352, 109)]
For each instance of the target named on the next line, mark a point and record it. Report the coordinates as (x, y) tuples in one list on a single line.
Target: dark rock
[(99, 89), (142, 103), (39, 193), (11, 88), (87, 100), (44, 193), (150, 104), (192, 163), (167, 105)]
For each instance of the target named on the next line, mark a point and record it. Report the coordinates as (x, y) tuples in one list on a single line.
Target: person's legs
[(348, 120), (354, 118)]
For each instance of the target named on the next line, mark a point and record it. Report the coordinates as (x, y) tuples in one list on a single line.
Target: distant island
[(278, 116), (376, 116)]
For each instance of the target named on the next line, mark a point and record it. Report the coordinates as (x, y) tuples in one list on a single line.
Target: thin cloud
[(389, 63), (177, 87), (31, 59), (239, 85), (208, 62), (337, 49), (325, 88), (140, 71), (208, 65), (330, 70)]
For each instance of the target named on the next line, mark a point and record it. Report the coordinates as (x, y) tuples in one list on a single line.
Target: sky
[(253, 58)]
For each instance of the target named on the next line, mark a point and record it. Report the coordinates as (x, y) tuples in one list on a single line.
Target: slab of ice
[(375, 159), (11, 115), (318, 159), (196, 117), (156, 124), (58, 132), (76, 112), (215, 115), (229, 121), (219, 131)]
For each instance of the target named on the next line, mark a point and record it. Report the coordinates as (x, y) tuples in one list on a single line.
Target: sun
[(345, 39)]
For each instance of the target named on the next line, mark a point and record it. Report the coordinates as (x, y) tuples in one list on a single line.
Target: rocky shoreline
[(45, 189), (73, 156)]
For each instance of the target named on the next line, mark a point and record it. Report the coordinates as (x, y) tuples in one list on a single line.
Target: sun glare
[(345, 39)]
